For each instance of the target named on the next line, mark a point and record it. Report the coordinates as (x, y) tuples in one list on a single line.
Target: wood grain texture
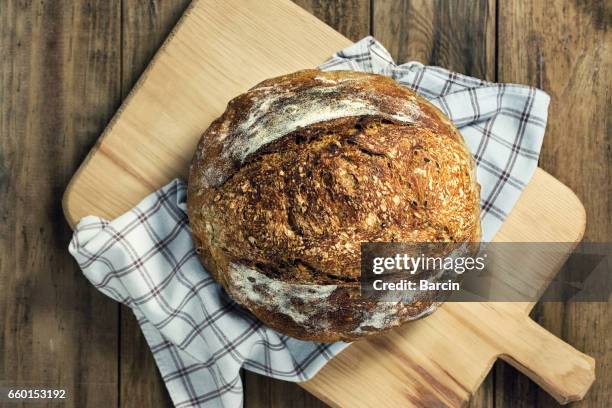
[(59, 85), (350, 18), (459, 35), (145, 25), (563, 47)]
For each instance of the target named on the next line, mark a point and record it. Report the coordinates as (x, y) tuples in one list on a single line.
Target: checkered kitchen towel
[(199, 337)]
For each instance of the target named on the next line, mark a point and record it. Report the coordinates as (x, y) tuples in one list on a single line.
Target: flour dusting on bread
[(269, 113), (299, 302), (309, 305)]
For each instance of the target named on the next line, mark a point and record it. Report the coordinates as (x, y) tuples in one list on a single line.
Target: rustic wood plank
[(59, 85), (145, 25), (563, 47), (266, 392), (351, 18), (458, 35)]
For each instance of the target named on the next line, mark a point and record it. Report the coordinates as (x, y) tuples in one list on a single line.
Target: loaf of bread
[(303, 168)]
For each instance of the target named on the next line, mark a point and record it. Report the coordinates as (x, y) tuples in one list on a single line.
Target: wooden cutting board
[(220, 49)]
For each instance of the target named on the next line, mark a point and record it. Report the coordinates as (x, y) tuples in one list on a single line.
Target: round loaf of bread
[(303, 168)]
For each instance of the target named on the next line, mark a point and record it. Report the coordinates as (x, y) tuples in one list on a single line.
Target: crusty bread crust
[(300, 170)]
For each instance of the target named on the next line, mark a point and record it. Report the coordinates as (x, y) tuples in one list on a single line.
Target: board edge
[(69, 192)]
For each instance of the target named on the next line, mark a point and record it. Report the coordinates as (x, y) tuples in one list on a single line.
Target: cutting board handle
[(560, 369)]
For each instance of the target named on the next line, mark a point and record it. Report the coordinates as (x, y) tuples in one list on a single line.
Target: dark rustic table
[(67, 65)]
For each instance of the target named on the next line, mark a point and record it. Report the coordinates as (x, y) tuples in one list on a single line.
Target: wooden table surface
[(67, 65)]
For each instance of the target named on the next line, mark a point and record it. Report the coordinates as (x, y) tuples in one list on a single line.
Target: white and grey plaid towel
[(199, 337)]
